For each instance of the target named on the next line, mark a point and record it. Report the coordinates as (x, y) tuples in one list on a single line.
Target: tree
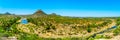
[(89, 29), (117, 31)]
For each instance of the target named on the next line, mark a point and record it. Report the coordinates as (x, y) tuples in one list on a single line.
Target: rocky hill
[(39, 12)]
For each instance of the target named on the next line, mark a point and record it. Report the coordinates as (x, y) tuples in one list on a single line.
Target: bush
[(116, 31), (89, 29)]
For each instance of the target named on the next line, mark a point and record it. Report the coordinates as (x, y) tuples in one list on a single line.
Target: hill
[(39, 12)]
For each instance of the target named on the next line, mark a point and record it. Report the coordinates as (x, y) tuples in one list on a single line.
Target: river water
[(113, 27), (24, 21)]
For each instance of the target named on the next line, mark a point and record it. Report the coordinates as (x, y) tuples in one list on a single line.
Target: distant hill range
[(6, 13), (39, 12)]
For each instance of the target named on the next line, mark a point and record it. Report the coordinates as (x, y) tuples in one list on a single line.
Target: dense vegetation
[(68, 26), (6, 22), (113, 34), (117, 30), (55, 27)]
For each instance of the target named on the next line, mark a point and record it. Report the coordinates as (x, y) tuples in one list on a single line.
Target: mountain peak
[(39, 12)]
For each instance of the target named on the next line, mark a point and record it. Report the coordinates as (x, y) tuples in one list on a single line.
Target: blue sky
[(84, 8)]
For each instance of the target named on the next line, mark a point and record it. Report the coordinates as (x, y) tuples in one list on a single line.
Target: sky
[(79, 8)]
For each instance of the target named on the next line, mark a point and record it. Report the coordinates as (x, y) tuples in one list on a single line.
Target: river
[(24, 21), (113, 27)]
